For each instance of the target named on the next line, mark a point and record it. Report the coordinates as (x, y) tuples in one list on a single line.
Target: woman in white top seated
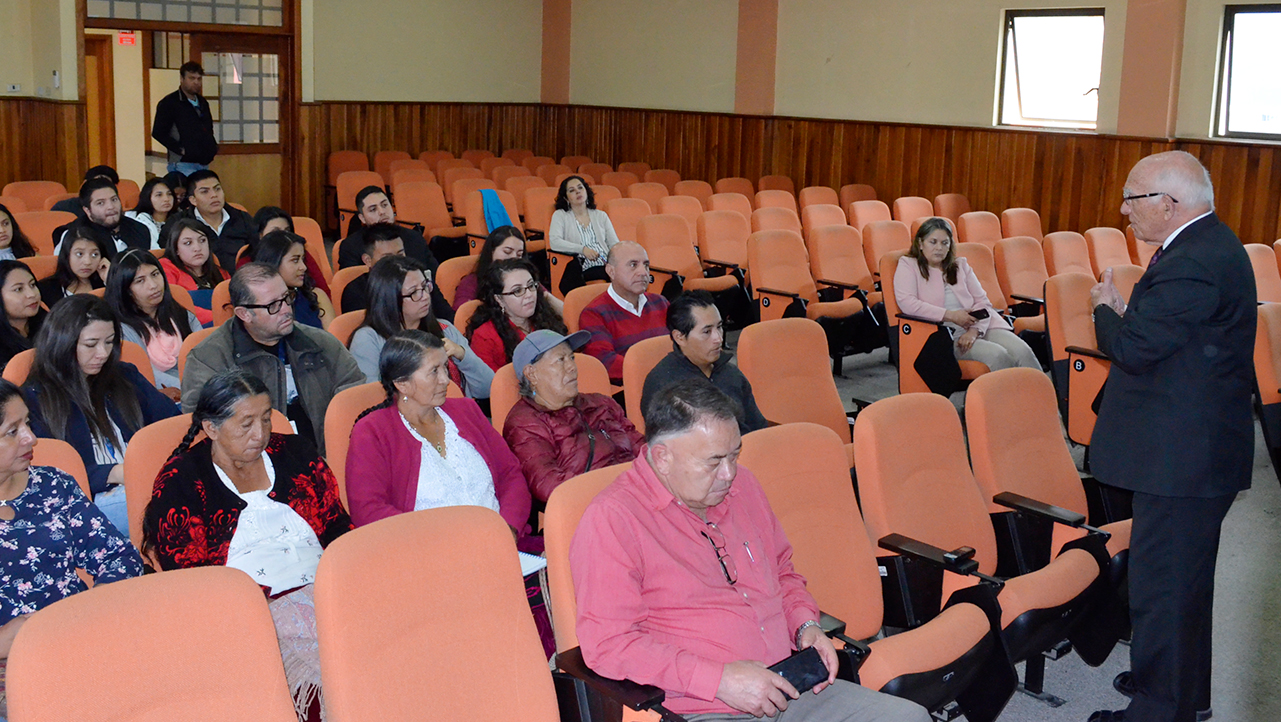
[(933, 283), (247, 498), (578, 228), (149, 316), (155, 203)]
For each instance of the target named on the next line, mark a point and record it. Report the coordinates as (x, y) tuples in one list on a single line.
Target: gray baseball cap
[(540, 342)]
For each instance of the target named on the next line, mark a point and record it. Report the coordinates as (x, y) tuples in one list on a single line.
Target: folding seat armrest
[(1028, 299), (623, 691), (839, 284), (918, 319), (447, 232), (958, 561), (1056, 514), (835, 629), (776, 292), (1083, 351), (667, 271), (723, 264)]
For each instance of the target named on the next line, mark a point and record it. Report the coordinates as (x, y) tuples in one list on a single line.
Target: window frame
[(1222, 84), (1007, 27)]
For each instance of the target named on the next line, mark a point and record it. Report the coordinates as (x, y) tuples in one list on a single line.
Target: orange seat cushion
[(931, 646), (711, 285), (1030, 323), (1058, 583), (833, 309)]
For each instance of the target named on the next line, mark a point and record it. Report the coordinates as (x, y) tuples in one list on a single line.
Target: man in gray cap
[(556, 432)]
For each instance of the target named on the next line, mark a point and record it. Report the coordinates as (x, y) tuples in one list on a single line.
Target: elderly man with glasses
[(303, 367), (684, 579)]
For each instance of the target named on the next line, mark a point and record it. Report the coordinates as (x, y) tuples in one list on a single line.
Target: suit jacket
[(1175, 418)]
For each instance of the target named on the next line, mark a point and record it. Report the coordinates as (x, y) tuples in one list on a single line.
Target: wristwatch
[(801, 630)]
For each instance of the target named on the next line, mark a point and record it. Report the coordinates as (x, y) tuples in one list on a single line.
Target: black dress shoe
[(1105, 715), (1124, 683)]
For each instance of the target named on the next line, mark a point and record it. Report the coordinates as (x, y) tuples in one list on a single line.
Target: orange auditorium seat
[(951, 206), (618, 179), (777, 183), (1021, 222), (640, 169), (766, 219), (382, 163), (33, 193), (648, 192), (862, 213), (818, 195), (853, 192), (702, 190), (773, 198), (666, 176), (1066, 252), (910, 208), (736, 202), (737, 185), (979, 227), (625, 213), (1107, 248)]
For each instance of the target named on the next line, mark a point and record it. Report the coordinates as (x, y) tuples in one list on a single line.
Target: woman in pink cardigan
[(931, 282)]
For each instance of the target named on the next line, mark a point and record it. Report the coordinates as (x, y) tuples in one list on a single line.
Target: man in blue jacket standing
[(184, 124)]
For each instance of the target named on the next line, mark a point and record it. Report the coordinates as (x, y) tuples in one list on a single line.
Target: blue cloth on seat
[(495, 212)]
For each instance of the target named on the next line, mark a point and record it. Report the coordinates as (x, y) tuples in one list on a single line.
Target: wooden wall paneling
[(43, 140)]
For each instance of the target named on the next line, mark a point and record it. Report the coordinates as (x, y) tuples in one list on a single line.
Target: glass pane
[(250, 109), (270, 110), (1052, 70), (98, 8), (124, 10), (1254, 87), (252, 133), (230, 133), (202, 13), (152, 11), (230, 110), (272, 18), (270, 133)]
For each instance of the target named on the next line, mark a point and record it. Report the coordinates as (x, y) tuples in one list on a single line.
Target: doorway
[(100, 100)]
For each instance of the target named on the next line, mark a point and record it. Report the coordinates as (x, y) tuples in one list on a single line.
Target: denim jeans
[(112, 505), (186, 168)]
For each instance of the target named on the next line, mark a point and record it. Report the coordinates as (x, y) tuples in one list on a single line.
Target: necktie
[(1156, 256)]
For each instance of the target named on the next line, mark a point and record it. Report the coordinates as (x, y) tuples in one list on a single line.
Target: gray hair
[(526, 388), (249, 274), (1180, 174), (680, 407)]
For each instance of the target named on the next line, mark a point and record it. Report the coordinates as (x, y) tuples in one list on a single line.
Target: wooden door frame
[(107, 95)]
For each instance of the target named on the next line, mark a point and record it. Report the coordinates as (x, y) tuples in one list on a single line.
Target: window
[(268, 13), (243, 90), (1051, 67), (1249, 85)]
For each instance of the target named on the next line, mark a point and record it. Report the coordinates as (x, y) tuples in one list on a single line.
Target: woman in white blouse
[(579, 229), (261, 502)]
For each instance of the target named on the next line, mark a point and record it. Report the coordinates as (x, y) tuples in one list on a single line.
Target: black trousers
[(574, 275), (1174, 545)]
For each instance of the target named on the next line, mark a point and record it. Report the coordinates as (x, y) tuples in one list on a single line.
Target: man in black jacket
[(102, 215), (228, 228), (1175, 426), (184, 124)]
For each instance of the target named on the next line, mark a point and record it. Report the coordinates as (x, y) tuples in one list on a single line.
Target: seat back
[(220, 303), (910, 208), (464, 313), (459, 183), (191, 634), (1016, 440), (595, 170), (518, 184), (42, 267), (34, 192), (853, 192), (315, 243), (634, 166), (979, 227), (188, 343), (1020, 267), (625, 213), (565, 508), (14, 204), (738, 185), (346, 324), (1141, 252), (881, 237), (402, 164), (775, 199), (132, 353), (382, 657), (736, 202), (128, 191), (551, 171), (540, 204), (818, 195), (982, 263), (836, 254), (477, 227), (489, 165), (817, 215), (1069, 314), (641, 358), (19, 367), (341, 161), (504, 392), (409, 175), (340, 418), (786, 362), (452, 271), (722, 236), (914, 478), (518, 155), (382, 162), (1067, 252), (339, 284), (1106, 247), (1267, 281), (1021, 222), (534, 162), (702, 190), (687, 207), (666, 176), (476, 155), (604, 194), (50, 201), (577, 299), (915, 226), (574, 161), (778, 260), (349, 184), (805, 474), (423, 203), (648, 192), (951, 206), (501, 175), (862, 213), (64, 457), (39, 227), (669, 241), (1124, 277), (775, 218), (777, 183), (1267, 354), (444, 165), (618, 179), (433, 158)]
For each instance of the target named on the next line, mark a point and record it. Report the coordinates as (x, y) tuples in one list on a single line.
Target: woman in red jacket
[(556, 432)]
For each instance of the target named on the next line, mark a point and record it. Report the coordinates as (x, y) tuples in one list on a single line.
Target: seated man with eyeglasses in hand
[(303, 367), (684, 579)]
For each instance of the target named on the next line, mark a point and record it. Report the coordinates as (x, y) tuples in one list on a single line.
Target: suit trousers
[(1174, 545), (841, 702)]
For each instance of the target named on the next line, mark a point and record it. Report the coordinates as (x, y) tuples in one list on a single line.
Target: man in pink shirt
[(684, 579)]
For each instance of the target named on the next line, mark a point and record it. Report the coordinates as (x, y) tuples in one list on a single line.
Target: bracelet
[(801, 630)]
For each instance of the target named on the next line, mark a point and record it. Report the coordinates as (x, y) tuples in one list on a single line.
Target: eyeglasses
[(419, 293), (521, 291), (274, 307), (1128, 199), (727, 562)]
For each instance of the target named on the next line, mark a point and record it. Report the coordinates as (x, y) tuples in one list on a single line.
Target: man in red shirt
[(624, 314), (684, 579)]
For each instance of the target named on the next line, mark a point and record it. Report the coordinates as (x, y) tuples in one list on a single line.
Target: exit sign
[(128, 38)]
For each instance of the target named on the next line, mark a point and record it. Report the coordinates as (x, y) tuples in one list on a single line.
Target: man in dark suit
[(1175, 426)]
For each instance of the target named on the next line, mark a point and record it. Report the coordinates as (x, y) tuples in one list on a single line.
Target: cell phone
[(978, 313), (804, 670)]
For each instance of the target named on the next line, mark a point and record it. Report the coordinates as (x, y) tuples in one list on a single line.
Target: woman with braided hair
[(261, 502), (420, 450)]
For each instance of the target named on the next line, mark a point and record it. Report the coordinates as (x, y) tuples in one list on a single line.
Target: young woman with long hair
[(287, 253), (155, 204), (13, 242), (513, 306), (83, 264), (149, 316)]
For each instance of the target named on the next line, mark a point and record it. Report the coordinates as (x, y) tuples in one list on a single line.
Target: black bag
[(937, 364)]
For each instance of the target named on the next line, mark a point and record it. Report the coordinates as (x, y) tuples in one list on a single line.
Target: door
[(100, 105)]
